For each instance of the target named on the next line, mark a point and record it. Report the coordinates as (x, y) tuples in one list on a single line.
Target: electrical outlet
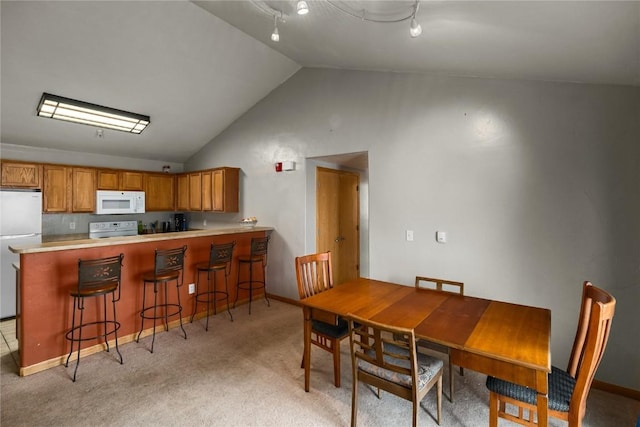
[(204, 222), (72, 225), (192, 288)]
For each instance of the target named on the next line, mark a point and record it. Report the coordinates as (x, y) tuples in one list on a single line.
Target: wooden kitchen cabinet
[(182, 190), (108, 179), (56, 189), (83, 189), (131, 181), (113, 179), (220, 189), (159, 191), (68, 189), (207, 190), (195, 191), (189, 192), (21, 175), (225, 189)]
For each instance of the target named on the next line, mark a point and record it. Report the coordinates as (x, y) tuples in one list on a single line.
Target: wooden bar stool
[(169, 266), (257, 256), (220, 257), (96, 277)]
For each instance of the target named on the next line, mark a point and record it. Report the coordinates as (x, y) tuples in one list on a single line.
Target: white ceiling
[(194, 74)]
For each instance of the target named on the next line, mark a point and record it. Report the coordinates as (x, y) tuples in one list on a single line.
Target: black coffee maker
[(180, 222)]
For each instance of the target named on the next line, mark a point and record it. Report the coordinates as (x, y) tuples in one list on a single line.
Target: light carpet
[(241, 373)]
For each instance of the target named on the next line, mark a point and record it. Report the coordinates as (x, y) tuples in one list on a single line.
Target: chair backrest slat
[(313, 273), (370, 341), (441, 285), (594, 326)]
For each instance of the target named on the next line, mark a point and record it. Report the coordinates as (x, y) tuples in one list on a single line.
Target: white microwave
[(119, 202)]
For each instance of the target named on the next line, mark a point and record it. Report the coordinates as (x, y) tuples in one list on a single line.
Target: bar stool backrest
[(221, 254), (259, 246), (169, 260), (99, 276)]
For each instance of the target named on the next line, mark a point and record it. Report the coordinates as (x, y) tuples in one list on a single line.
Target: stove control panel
[(112, 229)]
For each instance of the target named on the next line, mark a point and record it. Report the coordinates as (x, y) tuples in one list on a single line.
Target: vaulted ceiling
[(195, 67)]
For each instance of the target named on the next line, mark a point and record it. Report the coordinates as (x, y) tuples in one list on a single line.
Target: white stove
[(98, 230)]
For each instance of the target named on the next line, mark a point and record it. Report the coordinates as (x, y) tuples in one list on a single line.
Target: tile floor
[(9, 344)]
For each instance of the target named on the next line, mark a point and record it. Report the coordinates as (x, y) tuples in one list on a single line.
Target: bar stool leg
[(206, 328), (73, 325), (179, 310), (264, 283), (226, 289), (166, 310), (104, 307), (116, 325), (155, 313), (237, 286), (250, 284)]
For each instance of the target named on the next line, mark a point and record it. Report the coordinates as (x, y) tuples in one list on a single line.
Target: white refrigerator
[(20, 224)]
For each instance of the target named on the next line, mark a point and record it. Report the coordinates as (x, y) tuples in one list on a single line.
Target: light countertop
[(74, 241)]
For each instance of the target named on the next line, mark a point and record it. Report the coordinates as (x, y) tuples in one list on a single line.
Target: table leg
[(307, 347), (543, 403)]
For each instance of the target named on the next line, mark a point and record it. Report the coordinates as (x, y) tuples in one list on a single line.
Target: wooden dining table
[(504, 340)]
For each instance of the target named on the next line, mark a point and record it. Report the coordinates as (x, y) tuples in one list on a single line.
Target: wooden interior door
[(337, 221)]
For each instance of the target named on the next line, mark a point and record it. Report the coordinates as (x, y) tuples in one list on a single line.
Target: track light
[(415, 29), (302, 7), (275, 36)]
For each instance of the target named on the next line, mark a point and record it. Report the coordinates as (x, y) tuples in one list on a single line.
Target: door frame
[(310, 208)]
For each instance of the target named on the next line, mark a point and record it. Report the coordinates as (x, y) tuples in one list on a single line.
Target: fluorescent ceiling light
[(71, 110)]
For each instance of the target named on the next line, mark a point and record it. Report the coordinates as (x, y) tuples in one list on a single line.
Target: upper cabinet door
[(21, 175), (195, 191), (159, 192), (83, 190), (131, 181), (226, 189), (207, 190), (113, 179), (108, 179), (56, 189), (182, 199)]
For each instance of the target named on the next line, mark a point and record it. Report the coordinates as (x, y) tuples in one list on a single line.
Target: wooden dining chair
[(391, 364), (314, 276), (440, 285), (568, 390)]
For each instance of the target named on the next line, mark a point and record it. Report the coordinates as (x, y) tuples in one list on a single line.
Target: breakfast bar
[(49, 271)]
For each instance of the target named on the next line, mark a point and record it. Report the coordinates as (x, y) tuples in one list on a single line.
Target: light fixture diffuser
[(71, 110)]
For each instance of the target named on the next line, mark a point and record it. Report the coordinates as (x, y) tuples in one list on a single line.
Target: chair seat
[(561, 386), (335, 331), (206, 266), (98, 289), (245, 258), (428, 367), (170, 275)]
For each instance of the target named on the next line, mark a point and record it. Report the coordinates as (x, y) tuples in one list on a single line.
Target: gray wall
[(537, 185)]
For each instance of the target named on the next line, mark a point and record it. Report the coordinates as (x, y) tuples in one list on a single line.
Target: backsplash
[(60, 224)]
